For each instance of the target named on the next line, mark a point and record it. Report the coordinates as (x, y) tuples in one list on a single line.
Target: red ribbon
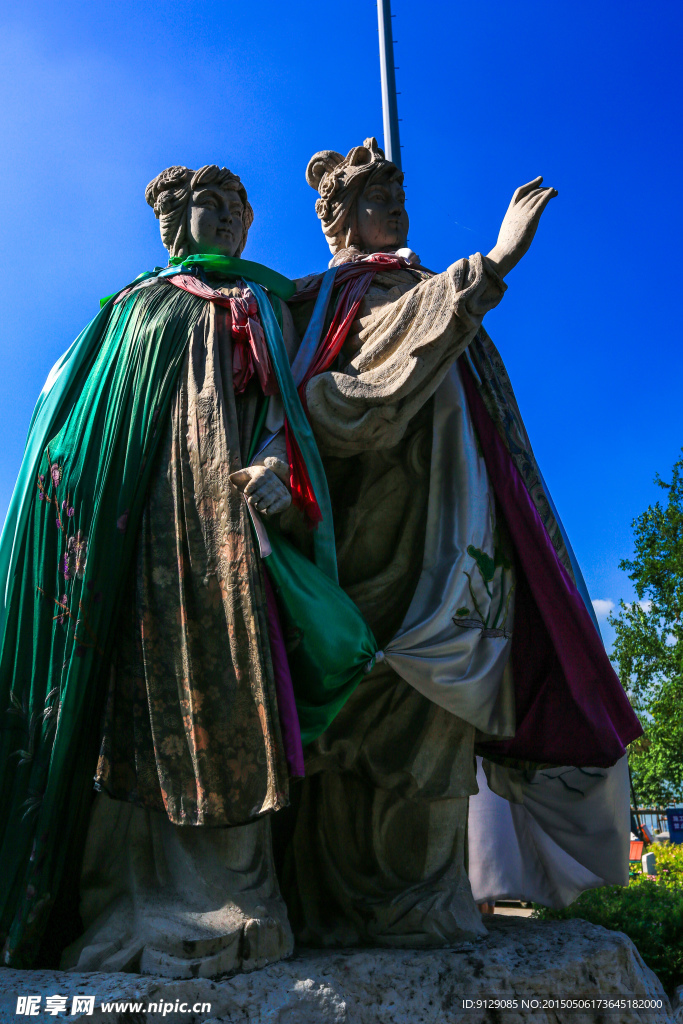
[(355, 279), (249, 349), (350, 299)]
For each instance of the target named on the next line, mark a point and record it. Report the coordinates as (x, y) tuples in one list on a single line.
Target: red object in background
[(637, 848), (647, 835)]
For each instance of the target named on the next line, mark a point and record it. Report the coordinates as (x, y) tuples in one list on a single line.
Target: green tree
[(647, 649)]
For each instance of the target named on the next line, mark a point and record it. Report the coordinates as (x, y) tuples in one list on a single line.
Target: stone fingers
[(268, 494), (279, 504), (539, 203), (531, 199), (523, 190)]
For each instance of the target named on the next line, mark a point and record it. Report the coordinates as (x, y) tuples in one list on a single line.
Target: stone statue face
[(214, 221), (382, 221)]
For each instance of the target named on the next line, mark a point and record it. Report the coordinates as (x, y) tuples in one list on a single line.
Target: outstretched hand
[(519, 224)]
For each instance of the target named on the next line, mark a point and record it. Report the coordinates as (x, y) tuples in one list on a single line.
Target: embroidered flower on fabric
[(55, 473), (122, 522), (488, 566), (76, 555)]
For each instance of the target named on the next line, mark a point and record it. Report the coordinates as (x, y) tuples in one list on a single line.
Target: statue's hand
[(519, 224), (264, 487)]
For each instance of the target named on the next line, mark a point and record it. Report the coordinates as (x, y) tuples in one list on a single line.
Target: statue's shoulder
[(140, 291), (400, 278), (307, 283)]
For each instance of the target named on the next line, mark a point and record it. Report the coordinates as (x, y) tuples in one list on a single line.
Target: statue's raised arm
[(448, 543)]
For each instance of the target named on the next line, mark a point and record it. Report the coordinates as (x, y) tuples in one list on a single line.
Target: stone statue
[(144, 642), (434, 546), (177, 873)]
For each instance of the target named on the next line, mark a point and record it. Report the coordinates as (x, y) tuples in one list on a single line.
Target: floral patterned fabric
[(76, 538), (191, 723)]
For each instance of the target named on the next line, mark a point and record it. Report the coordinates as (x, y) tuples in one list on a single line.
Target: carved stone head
[(362, 202), (204, 211)]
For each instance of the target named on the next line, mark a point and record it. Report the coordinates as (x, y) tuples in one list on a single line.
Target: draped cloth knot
[(249, 349), (375, 660)]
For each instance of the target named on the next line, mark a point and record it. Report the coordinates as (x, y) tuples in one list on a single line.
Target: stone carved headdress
[(169, 196), (340, 181)]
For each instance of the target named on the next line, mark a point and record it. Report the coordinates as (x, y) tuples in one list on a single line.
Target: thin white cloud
[(603, 607), (646, 606)]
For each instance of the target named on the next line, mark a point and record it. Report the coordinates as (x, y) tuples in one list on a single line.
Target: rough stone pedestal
[(519, 959)]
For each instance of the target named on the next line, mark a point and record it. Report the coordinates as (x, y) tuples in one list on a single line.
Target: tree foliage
[(648, 649)]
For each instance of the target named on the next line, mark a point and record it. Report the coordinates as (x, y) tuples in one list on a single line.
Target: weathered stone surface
[(519, 959), (677, 1005)]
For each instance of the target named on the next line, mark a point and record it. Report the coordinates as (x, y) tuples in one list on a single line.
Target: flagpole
[(392, 145)]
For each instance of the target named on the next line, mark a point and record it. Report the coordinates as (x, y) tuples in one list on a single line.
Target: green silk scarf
[(65, 551), (88, 490), (331, 645), (323, 537)]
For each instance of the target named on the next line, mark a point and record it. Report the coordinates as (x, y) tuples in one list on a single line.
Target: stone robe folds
[(424, 551), (191, 726), (393, 764), (191, 732)]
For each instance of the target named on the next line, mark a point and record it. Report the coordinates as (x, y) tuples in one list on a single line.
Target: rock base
[(530, 963)]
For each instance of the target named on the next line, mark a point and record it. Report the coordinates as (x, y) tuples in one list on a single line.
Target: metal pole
[(392, 145)]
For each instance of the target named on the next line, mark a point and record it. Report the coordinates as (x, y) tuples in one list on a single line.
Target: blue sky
[(96, 98)]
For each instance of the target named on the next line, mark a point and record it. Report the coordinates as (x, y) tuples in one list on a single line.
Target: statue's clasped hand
[(519, 224), (265, 486)]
